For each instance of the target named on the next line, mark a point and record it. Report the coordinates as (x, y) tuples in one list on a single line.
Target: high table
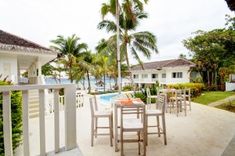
[(118, 104)]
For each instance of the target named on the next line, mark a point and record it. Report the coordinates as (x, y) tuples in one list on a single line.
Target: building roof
[(15, 43), (158, 65)]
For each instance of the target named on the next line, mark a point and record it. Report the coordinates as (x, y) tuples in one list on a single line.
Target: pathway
[(217, 103)]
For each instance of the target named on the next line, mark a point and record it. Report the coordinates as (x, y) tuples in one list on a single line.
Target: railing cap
[(6, 88)]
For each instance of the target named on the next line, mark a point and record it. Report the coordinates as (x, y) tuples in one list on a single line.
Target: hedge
[(196, 88), (16, 115)]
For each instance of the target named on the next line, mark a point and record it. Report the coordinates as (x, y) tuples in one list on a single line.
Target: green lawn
[(212, 96)]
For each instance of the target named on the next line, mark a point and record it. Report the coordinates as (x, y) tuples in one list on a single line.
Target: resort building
[(165, 72), (18, 55)]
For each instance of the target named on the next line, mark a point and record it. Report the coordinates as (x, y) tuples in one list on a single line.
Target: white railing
[(70, 117)]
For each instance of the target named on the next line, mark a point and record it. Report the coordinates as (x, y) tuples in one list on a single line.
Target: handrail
[(70, 116), (6, 88)]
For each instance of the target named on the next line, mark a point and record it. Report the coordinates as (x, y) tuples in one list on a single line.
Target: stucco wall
[(168, 71), (8, 67), (229, 86), (185, 77)]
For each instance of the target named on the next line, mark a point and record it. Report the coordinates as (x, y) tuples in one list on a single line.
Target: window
[(144, 76), (164, 75), (177, 75), (135, 76), (154, 76)]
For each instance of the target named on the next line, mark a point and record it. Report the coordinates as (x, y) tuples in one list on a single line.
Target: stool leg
[(122, 152), (158, 126), (139, 143), (92, 131), (164, 129), (110, 131), (96, 125), (146, 133)]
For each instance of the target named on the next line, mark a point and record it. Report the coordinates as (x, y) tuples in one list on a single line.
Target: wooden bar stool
[(95, 115), (160, 112)]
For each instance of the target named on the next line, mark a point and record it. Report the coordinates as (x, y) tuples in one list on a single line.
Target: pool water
[(107, 98)]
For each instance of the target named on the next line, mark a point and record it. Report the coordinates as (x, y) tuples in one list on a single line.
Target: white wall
[(8, 66), (184, 79), (229, 86), (167, 71)]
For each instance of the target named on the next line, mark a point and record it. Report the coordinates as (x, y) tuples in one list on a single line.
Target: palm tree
[(131, 13), (70, 49), (102, 65), (85, 63)]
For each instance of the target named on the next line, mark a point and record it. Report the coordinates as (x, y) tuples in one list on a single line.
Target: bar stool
[(160, 112), (135, 122), (95, 115)]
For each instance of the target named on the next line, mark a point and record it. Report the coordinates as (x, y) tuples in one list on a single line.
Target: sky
[(171, 21)]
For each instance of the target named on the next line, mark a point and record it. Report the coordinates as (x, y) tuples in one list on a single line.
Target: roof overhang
[(26, 58)]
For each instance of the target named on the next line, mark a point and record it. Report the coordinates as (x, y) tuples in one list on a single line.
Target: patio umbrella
[(118, 48)]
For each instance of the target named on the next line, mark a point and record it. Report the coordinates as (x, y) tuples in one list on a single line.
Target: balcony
[(204, 131), (65, 121)]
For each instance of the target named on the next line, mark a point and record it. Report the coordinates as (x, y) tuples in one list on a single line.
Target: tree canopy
[(212, 50)]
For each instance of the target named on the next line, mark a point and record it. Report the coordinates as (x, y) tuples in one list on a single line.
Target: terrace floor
[(205, 131)]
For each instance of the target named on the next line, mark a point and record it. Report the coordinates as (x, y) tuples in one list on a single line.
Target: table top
[(128, 102)]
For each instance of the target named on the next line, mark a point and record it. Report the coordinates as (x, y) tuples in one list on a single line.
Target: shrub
[(16, 116), (127, 88), (211, 88), (140, 95), (196, 88)]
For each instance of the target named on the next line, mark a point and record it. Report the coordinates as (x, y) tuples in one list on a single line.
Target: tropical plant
[(131, 12), (85, 65), (70, 49), (212, 50), (101, 62), (16, 116)]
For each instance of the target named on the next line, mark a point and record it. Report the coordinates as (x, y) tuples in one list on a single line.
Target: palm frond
[(109, 26)]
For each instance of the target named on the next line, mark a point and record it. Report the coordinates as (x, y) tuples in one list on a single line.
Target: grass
[(212, 96), (229, 106)]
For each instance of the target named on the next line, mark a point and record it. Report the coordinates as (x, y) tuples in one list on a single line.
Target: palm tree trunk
[(110, 86), (83, 83), (118, 47), (128, 65), (89, 83), (208, 78), (104, 82)]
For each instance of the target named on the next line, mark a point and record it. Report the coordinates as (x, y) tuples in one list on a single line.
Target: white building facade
[(163, 72), (18, 55)]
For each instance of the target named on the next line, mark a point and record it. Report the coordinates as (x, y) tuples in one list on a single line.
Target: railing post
[(42, 122), (7, 130), (70, 117), (57, 120), (25, 122)]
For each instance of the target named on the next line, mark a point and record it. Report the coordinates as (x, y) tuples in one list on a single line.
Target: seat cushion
[(132, 123), (103, 113), (153, 112)]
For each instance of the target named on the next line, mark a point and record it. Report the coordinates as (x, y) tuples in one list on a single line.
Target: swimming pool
[(107, 98)]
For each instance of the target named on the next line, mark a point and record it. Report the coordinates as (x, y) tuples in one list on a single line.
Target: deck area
[(204, 131)]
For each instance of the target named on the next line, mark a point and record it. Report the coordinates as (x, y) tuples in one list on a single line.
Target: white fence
[(70, 117)]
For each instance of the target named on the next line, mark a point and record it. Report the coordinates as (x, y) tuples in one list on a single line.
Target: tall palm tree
[(70, 49), (131, 13), (85, 64)]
